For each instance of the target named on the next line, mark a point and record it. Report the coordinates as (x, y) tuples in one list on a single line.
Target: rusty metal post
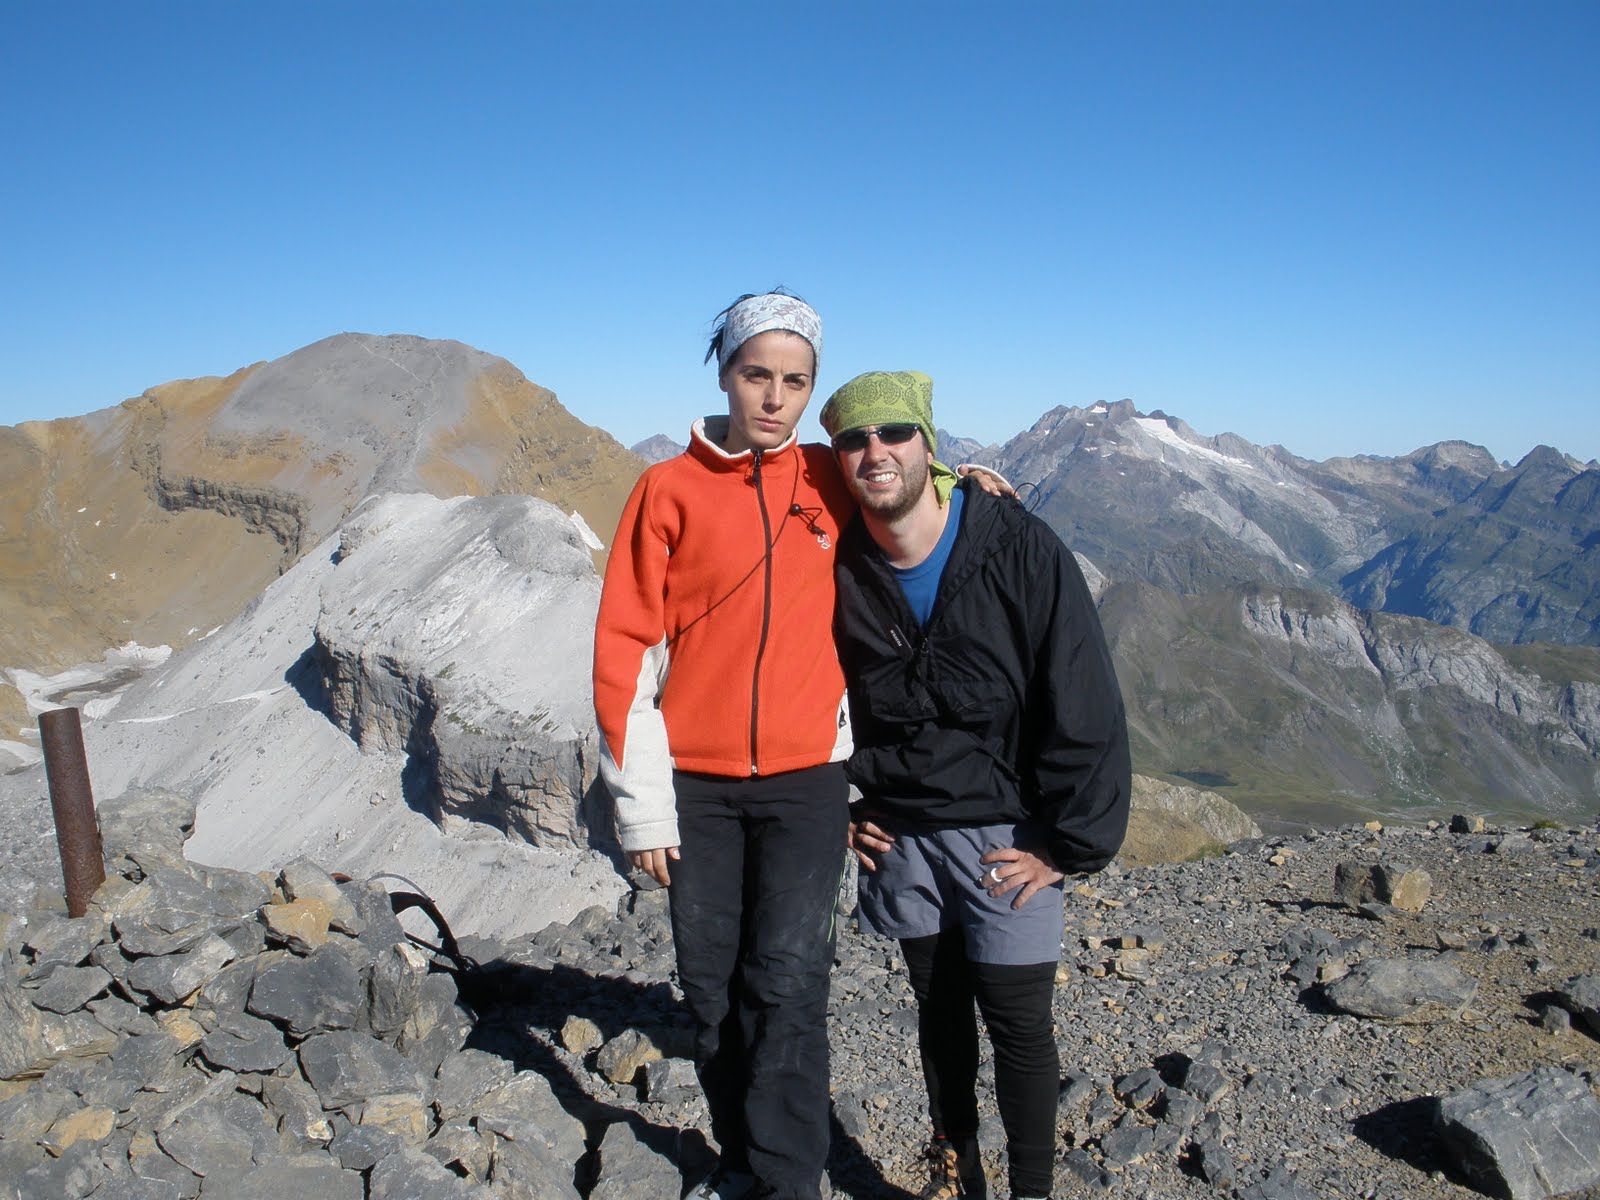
[(83, 859)]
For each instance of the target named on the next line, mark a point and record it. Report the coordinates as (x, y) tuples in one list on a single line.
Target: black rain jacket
[(1005, 707)]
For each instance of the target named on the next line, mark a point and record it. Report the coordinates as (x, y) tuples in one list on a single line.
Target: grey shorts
[(929, 881)]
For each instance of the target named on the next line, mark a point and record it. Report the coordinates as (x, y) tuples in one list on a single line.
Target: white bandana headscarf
[(759, 314)]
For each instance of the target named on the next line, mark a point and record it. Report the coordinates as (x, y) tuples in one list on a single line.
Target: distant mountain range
[(1316, 640)]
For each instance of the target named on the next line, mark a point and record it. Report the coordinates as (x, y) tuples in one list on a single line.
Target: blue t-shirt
[(921, 582)]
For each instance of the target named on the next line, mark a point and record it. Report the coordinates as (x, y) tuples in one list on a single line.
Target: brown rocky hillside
[(157, 520)]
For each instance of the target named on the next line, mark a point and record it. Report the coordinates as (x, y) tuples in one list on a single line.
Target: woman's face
[(769, 384)]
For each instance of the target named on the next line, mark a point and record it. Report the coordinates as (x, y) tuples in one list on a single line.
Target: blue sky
[(1343, 228)]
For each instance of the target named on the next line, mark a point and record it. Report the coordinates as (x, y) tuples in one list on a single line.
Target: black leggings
[(1015, 1001)]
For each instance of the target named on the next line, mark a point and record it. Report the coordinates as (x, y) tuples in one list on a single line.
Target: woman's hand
[(654, 863), (867, 839)]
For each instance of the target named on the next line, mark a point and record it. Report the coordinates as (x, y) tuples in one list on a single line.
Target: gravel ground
[(1312, 1102)]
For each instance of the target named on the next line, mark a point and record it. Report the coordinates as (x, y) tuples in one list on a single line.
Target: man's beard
[(891, 506)]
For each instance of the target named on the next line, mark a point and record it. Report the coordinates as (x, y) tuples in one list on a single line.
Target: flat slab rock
[(1527, 1137), (1405, 991)]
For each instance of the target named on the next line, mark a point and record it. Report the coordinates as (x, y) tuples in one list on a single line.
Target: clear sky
[(1340, 227)]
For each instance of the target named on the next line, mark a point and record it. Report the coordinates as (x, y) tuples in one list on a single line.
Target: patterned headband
[(761, 314)]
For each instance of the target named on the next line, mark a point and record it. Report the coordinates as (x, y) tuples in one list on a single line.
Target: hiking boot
[(723, 1185), (953, 1175)]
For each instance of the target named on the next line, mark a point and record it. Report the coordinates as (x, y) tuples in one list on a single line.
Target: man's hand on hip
[(1011, 868)]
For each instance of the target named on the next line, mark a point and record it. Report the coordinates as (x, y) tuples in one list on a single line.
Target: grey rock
[(1214, 1164), (525, 1110), (1554, 1019), (1076, 1088), (1280, 1183), (308, 995), (31, 1040), (1139, 1089), (1513, 843), (206, 1141), (145, 819), (1404, 991), (135, 1187), (622, 1058), (27, 1116), (1204, 1082), (54, 941), (1180, 1109), (380, 928), (459, 1146), (170, 978), (1128, 1143), (241, 1042), (464, 1079), (394, 981), (152, 1166), (149, 1060), (1528, 1136), (669, 1080), (304, 880), (349, 1069), (1086, 1171), (121, 1017), (63, 989), (409, 1174), (294, 1109), (168, 912), (78, 1172), (228, 991), (1581, 997), (438, 1025), (530, 1170), (629, 1170), (286, 1176), (362, 1146), (237, 893)]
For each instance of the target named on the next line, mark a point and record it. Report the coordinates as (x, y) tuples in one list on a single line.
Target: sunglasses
[(853, 440)]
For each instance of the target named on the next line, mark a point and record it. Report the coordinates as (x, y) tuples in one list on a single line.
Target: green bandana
[(889, 398)]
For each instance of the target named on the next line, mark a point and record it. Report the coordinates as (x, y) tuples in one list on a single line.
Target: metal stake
[(83, 860)]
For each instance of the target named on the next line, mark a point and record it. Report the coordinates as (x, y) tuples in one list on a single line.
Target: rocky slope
[(1400, 1014), (412, 696), (1303, 709), (158, 520)]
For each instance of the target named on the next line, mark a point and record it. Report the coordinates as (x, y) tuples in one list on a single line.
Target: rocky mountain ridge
[(1445, 532), (159, 519)]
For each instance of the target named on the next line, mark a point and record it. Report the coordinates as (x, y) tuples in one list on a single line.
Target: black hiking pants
[(754, 895)]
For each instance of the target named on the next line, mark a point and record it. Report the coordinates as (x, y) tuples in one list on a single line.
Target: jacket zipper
[(766, 610)]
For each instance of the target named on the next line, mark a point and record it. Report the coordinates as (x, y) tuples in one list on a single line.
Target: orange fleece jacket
[(713, 647)]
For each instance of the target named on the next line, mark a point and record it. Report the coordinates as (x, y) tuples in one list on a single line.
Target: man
[(991, 751)]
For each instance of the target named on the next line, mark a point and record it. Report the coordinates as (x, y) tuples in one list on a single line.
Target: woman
[(724, 726)]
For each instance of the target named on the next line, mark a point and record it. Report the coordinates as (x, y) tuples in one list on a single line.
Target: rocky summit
[(1366, 1012)]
